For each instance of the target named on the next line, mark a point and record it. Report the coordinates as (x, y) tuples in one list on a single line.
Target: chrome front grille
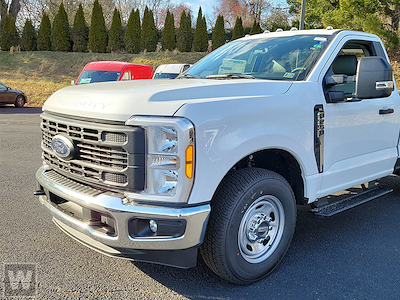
[(109, 156), (104, 156)]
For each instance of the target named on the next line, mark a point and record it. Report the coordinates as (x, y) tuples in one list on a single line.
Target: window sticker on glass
[(320, 39), (232, 66), (85, 80), (288, 75), (317, 46)]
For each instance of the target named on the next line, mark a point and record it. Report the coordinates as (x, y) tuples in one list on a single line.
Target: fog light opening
[(153, 226)]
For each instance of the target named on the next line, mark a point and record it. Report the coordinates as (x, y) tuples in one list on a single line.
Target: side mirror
[(374, 78), (336, 96), (72, 82)]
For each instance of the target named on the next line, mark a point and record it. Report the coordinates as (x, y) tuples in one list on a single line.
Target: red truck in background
[(100, 71)]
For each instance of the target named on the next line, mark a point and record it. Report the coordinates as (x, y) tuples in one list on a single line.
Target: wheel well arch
[(279, 161)]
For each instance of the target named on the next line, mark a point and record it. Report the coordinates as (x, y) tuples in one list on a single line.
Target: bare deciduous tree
[(248, 10)]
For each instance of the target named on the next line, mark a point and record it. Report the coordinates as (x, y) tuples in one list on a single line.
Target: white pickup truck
[(217, 160)]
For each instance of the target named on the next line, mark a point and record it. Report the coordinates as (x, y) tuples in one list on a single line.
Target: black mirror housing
[(374, 78), (336, 96)]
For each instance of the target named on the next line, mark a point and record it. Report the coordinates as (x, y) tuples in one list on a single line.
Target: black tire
[(236, 251), (19, 101)]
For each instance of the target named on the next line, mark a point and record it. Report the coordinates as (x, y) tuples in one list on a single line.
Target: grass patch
[(37, 90)]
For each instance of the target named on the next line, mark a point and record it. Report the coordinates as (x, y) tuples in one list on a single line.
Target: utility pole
[(303, 12)]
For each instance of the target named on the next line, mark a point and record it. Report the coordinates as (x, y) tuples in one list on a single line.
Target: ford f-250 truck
[(217, 160)]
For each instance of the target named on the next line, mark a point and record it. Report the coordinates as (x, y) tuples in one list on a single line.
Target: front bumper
[(74, 206)]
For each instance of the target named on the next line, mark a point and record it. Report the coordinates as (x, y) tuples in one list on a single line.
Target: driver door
[(360, 142)]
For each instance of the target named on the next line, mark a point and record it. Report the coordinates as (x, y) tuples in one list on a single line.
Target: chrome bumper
[(120, 244)]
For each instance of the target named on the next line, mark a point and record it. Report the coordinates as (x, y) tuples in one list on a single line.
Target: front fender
[(227, 131)]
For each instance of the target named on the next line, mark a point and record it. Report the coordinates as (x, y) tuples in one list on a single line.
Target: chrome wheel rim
[(261, 229)]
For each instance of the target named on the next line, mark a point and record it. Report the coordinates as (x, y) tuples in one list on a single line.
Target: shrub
[(218, 36), (133, 33), (28, 40), (238, 30), (168, 34), (200, 34), (256, 28), (98, 30), (9, 36), (60, 38), (149, 32), (116, 34), (185, 37), (80, 32), (44, 34)]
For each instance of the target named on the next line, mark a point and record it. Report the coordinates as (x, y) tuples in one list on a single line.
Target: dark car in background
[(11, 96)]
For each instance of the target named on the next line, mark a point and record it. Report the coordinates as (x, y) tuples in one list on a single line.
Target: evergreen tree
[(60, 38), (44, 34), (133, 33), (98, 30), (116, 34), (200, 33), (80, 32), (185, 37), (149, 31), (238, 31), (256, 28), (9, 36), (218, 35), (168, 34), (3, 12), (180, 33), (28, 41)]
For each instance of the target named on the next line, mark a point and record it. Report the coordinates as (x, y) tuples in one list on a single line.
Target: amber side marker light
[(189, 162)]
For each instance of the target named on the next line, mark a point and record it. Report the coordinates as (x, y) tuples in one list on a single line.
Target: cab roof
[(316, 32), (170, 68), (111, 65)]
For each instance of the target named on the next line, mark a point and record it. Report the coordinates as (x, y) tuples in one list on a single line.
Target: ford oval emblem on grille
[(63, 147)]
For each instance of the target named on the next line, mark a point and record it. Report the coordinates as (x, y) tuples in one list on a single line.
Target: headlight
[(170, 158)]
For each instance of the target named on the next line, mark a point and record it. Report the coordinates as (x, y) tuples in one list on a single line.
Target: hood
[(16, 91), (118, 101)]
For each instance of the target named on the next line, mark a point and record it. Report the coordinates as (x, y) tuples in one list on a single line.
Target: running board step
[(334, 208)]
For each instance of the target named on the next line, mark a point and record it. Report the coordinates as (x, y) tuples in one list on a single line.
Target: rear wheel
[(252, 221), (19, 101)]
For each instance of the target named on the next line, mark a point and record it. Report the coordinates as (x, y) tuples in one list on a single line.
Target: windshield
[(276, 58), (90, 76), (165, 75)]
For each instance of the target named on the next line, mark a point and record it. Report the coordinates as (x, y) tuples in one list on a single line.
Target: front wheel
[(252, 221), (19, 101)]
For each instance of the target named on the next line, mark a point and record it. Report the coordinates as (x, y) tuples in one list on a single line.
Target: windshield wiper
[(230, 76), (186, 76)]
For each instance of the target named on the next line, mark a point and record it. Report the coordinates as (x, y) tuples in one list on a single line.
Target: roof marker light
[(329, 28), (293, 29), (267, 31), (279, 30)]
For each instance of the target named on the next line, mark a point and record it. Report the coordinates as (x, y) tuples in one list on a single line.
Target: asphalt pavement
[(353, 255)]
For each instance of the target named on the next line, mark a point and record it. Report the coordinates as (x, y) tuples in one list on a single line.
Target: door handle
[(386, 111)]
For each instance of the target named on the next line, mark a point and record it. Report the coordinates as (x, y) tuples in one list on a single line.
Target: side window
[(126, 76), (346, 64)]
